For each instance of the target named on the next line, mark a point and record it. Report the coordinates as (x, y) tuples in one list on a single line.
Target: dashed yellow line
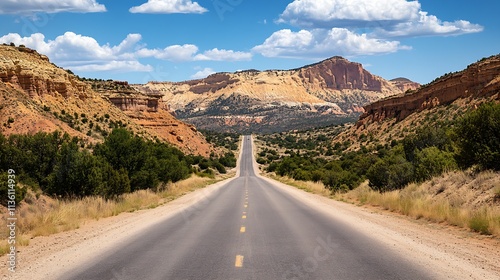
[(244, 217), (239, 261), (243, 229)]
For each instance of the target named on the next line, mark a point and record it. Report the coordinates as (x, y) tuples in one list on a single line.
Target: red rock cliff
[(481, 79), (338, 73)]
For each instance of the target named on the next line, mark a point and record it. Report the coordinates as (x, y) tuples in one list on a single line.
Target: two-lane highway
[(250, 229)]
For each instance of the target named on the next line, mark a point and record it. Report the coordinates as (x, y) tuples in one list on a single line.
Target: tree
[(392, 172), (478, 138), (431, 162)]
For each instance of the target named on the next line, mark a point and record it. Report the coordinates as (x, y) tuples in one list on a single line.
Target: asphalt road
[(250, 229)]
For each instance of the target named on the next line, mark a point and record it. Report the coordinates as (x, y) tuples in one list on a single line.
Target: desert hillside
[(328, 92), (36, 95), (445, 99)]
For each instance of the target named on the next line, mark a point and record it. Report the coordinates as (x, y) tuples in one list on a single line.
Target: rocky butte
[(480, 81), (36, 95), (325, 93)]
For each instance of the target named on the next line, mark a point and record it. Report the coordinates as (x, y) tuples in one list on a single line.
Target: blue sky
[(173, 40)]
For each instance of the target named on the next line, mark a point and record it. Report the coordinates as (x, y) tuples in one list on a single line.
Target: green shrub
[(431, 162), (392, 172), (261, 160), (478, 138)]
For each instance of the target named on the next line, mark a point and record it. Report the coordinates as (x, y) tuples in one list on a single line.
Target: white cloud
[(114, 66), (82, 53), (323, 43), (386, 18), (190, 53), (172, 53), (429, 25), (203, 73), (50, 6), (223, 55), (169, 7), (335, 13)]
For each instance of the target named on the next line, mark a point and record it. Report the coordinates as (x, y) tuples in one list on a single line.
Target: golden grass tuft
[(423, 201), (311, 187)]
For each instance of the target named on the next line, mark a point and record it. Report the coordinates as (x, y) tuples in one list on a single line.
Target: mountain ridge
[(323, 93)]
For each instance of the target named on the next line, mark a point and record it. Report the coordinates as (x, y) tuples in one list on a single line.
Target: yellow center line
[(244, 217), (239, 261), (243, 229)]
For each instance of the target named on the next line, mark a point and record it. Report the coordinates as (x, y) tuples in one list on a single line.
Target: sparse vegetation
[(394, 173), (226, 140), (57, 165)]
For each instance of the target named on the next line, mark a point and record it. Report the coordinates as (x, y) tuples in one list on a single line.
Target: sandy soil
[(447, 252)]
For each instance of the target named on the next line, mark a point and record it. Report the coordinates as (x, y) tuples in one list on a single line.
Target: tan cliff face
[(481, 79), (36, 95), (405, 84), (31, 72), (265, 101)]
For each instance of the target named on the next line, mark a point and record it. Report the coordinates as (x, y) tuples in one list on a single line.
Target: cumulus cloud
[(50, 6), (169, 7), (322, 43), (203, 73), (335, 13), (354, 27), (172, 53), (223, 55), (190, 53), (429, 25), (386, 18), (82, 53)]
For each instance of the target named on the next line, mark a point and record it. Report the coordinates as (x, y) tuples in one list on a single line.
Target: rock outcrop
[(405, 84), (325, 93), (136, 103), (481, 79), (36, 95), (338, 73), (33, 73)]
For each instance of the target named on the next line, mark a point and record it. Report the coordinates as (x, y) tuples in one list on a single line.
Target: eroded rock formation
[(36, 95), (481, 79), (324, 93)]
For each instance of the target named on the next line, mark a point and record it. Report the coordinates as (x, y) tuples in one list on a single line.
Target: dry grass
[(311, 187), (456, 198), (43, 216), (423, 201)]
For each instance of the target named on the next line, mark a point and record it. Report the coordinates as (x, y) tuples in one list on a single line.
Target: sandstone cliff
[(481, 79), (253, 101), (36, 95), (405, 84), (27, 70)]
